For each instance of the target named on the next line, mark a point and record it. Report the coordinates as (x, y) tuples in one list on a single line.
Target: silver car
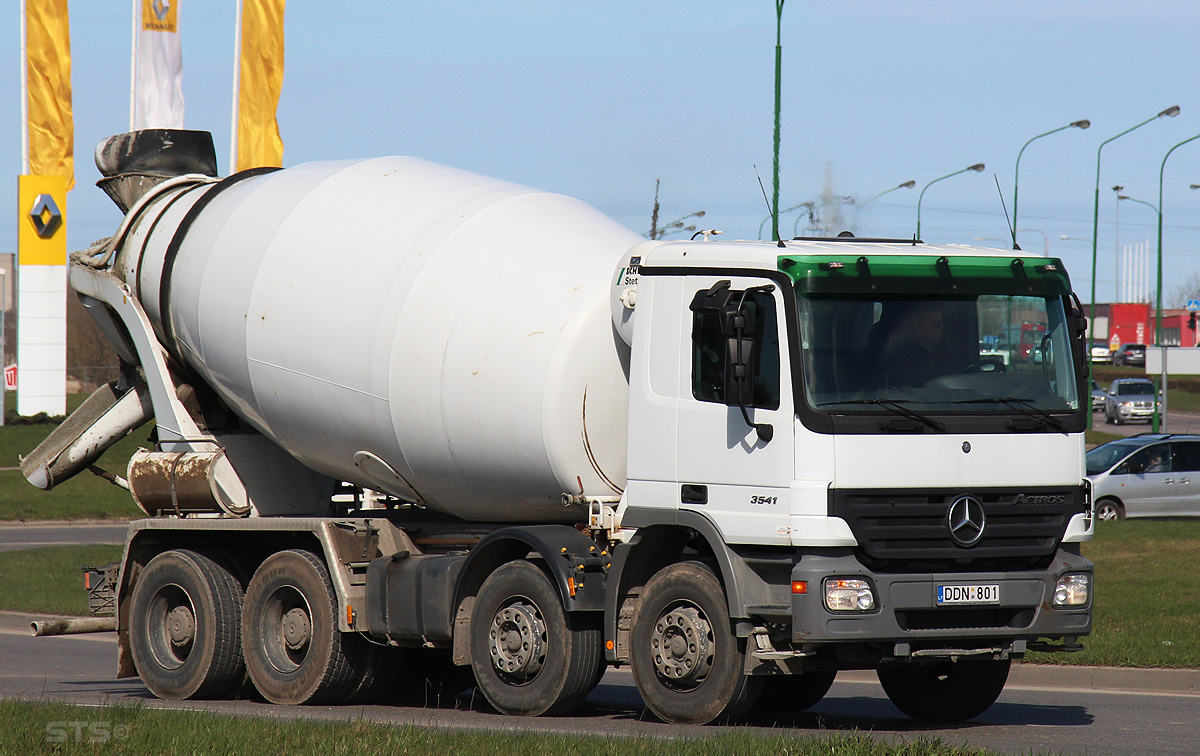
[(1149, 475), (1129, 399)]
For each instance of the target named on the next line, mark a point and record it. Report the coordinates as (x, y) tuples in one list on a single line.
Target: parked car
[(1129, 399), (1100, 351), (1097, 397), (1149, 475), (1130, 354)]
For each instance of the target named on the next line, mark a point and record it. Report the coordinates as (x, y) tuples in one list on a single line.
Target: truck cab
[(897, 500)]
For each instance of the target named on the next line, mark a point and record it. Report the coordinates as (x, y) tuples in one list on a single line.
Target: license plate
[(968, 594)]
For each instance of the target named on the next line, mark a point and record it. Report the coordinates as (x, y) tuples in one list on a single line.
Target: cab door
[(736, 474)]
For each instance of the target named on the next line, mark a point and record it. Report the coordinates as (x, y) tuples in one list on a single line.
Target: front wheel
[(687, 663), (528, 656), (945, 690), (1109, 510)]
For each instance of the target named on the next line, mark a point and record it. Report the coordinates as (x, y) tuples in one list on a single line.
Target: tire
[(788, 694), (945, 690), (376, 669), (295, 653), (185, 613), (687, 663), (528, 656), (1109, 510)]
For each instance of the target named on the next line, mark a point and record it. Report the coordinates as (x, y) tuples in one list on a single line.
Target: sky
[(597, 100)]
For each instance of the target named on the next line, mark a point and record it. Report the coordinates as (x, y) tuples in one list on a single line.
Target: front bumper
[(1135, 413), (906, 610)]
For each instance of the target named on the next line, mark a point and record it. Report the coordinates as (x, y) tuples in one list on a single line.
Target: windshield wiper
[(1026, 407), (896, 406)]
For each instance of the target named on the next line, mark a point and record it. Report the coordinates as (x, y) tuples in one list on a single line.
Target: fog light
[(1073, 590), (848, 595)]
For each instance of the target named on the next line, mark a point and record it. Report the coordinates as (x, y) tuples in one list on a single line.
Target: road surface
[(1040, 719)]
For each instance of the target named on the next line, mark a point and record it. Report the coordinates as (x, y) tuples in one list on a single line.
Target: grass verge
[(49, 579), (36, 727), (84, 497), (1147, 597)]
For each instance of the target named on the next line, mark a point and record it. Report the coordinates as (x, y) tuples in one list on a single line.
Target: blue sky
[(597, 100)]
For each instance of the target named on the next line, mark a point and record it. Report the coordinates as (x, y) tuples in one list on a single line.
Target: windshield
[(1104, 457), (1140, 388), (982, 342)]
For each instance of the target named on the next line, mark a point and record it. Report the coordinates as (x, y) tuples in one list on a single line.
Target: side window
[(1185, 456), (1152, 459), (710, 346)]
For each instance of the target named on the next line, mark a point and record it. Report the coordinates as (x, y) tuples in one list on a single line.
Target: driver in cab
[(914, 352)]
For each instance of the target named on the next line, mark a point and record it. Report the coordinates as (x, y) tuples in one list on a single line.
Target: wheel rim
[(517, 641), (682, 646), (288, 631), (1106, 512), (172, 625)]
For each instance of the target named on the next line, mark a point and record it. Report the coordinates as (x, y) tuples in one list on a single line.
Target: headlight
[(848, 595), (1073, 590)]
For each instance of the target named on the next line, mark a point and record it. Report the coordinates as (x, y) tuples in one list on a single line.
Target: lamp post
[(1154, 420), (1158, 294), (977, 167), (1170, 112), (1117, 189), (778, 81), (1082, 124), (906, 185), (775, 217), (1045, 238)]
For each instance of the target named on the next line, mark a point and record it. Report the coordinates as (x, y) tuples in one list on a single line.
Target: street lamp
[(1045, 238), (906, 185), (1158, 294), (1083, 124), (1170, 112), (977, 167), (775, 217)]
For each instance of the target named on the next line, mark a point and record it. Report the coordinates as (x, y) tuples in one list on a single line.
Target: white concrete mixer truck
[(403, 411)]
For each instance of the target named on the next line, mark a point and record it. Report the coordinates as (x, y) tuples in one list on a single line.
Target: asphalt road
[(1036, 718), (14, 536), (1176, 422)]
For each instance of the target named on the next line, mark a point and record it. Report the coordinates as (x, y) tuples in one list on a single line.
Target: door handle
[(690, 493)]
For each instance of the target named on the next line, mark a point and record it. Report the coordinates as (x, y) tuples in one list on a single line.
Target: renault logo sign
[(966, 520), (45, 216)]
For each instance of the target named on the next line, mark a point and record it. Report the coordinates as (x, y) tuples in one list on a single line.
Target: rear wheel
[(185, 613), (1109, 510), (295, 653), (945, 690), (528, 656), (687, 663)]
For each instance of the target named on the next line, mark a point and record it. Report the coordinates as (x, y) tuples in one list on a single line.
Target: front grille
[(907, 526)]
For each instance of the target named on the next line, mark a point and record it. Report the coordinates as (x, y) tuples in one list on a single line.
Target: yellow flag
[(260, 80), (48, 70)]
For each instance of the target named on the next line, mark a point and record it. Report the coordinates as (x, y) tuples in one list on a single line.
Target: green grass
[(135, 729), (84, 497), (1147, 597), (49, 579)]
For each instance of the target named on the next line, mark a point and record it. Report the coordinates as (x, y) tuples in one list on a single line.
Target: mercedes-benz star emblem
[(966, 520)]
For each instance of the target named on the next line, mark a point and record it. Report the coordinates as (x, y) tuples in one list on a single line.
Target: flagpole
[(133, 54), (237, 83), (24, 94)]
